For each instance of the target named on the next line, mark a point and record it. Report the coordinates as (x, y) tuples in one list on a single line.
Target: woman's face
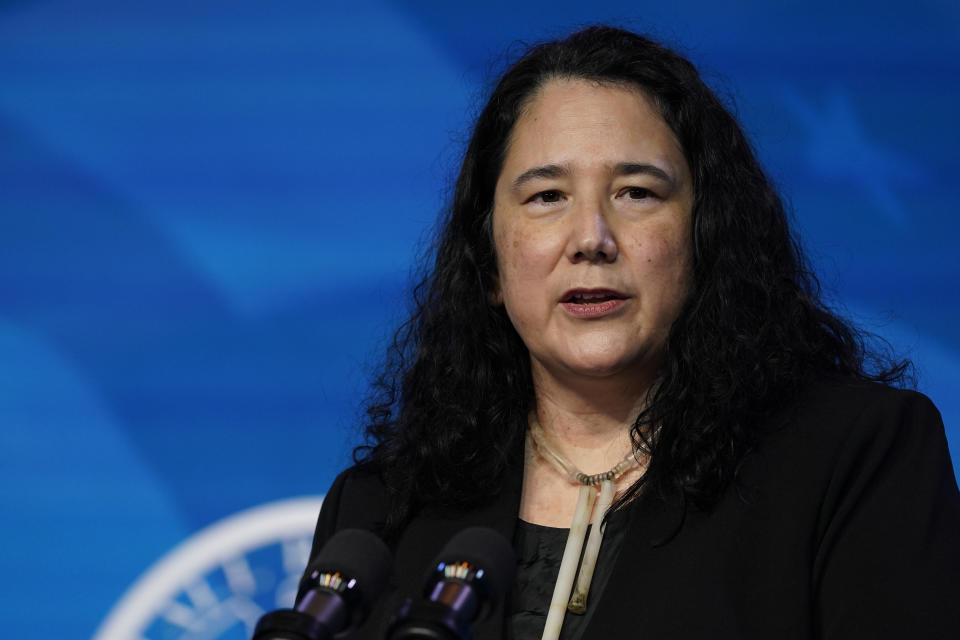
[(591, 221)]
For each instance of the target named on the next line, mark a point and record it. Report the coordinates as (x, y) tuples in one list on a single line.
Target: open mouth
[(591, 297)]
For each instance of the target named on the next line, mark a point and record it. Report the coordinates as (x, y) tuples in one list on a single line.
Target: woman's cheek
[(665, 250)]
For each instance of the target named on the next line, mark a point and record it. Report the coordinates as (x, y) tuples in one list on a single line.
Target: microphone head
[(468, 579), (360, 557), (489, 552)]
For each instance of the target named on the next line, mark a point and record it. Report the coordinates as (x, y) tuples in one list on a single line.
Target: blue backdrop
[(208, 214)]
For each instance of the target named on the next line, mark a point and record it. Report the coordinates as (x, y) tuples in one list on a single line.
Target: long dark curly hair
[(449, 411)]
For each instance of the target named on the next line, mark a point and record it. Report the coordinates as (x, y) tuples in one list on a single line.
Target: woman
[(617, 303)]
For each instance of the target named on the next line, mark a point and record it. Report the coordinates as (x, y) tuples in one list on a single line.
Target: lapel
[(653, 521)]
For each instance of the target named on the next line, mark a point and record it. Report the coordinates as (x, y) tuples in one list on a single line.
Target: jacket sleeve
[(327, 521), (357, 499), (888, 560)]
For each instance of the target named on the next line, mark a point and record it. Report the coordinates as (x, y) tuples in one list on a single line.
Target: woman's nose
[(591, 237)]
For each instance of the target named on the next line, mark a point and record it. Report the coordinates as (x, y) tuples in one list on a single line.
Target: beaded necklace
[(565, 597)]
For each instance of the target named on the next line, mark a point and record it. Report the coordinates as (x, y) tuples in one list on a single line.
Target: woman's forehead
[(573, 123)]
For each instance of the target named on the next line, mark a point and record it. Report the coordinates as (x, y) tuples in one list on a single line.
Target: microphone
[(469, 577), (336, 592)]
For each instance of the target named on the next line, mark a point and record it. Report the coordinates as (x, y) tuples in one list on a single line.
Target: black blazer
[(845, 523)]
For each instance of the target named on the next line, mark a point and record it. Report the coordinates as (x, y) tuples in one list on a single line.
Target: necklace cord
[(562, 599)]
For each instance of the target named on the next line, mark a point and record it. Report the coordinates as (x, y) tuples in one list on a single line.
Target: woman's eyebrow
[(636, 168), (546, 171), (553, 171)]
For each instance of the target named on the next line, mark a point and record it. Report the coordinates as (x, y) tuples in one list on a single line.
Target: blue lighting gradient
[(209, 213)]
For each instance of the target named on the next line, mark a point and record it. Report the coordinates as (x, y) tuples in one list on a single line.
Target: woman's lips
[(592, 303)]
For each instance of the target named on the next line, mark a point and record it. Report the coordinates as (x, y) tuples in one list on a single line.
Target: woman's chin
[(597, 370)]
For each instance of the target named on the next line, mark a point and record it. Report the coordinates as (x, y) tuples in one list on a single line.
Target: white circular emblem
[(218, 582)]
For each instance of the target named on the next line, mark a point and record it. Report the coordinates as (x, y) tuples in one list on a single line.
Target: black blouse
[(539, 552)]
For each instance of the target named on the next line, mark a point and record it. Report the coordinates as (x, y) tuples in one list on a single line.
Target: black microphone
[(336, 592), (467, 580)]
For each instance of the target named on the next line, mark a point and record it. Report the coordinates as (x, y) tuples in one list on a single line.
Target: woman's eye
[(637, 193), (548, 196)]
